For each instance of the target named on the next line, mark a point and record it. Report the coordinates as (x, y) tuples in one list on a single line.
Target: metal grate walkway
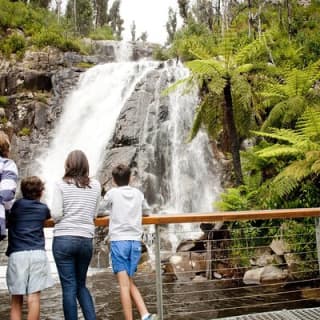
[(298, 314)]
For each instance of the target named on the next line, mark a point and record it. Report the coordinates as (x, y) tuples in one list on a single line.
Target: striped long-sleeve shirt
[(8, 185), (74, 209)]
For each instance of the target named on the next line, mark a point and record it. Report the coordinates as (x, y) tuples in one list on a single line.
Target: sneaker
[(152, 317)]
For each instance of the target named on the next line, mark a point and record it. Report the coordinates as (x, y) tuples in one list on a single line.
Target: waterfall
[(175, 175), (89, 117), (195, 182), (189, 178)]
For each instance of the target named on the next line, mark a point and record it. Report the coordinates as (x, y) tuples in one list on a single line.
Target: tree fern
[(290, 97), (206, 67), (303, 148)]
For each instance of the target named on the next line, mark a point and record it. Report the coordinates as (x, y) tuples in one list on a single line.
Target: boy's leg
[(34, 306), (16, 307), (124, 283), (137, 298)]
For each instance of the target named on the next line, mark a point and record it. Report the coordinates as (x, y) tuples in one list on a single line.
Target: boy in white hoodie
[(126, 205)]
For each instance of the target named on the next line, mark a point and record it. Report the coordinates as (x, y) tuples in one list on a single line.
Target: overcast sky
[(149, 15)]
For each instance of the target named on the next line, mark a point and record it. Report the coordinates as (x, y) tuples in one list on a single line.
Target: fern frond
[(201, 52), (296, 107), (291, 176), (244, 68), (175, 86), (216, 85), (296, 82), (284, 186), (314, 71), (309, 124), (276, 115), (315, 168), (197, 121), (251, 51), (205, 67), (286, 135), (278, 150)]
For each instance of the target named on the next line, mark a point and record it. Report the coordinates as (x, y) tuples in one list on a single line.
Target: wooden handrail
[(217, 216)]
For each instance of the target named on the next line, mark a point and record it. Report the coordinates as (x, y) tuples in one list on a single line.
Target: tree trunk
[(231, 130)]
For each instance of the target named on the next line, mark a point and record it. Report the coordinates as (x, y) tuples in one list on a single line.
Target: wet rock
[(279, 246), (293, 261), (35, 80), (267, 274), (40, 118), (252, 276), (186, 265), (272, 274)]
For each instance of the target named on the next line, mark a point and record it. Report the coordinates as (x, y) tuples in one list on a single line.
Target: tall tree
[(144, 36), (81, 13), (203, 11), (40, 3), (115, 20), (171, 25), (184, 10), (101, 9), (222, 74), (133, 31)]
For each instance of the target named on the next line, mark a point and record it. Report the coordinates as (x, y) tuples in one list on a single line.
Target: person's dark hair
[(121, 175), (77, 169), (32, 188), (4, 144)]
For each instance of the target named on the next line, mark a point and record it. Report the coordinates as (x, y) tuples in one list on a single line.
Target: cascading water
[(190, 180), (89, 116)]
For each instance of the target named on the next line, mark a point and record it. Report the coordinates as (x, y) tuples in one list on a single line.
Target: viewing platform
[(299, 314), (192, 269)]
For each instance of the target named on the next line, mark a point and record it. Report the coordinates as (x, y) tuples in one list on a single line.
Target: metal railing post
[(158, 274), (317, 222)]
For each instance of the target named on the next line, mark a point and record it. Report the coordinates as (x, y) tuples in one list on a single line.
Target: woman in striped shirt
[(75, 205)]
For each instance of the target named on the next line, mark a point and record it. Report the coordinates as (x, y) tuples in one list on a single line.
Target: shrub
[(40, 25), (160, 53), (102, 33), (85, 65), (15, 43), (24, 132), (3, 101)]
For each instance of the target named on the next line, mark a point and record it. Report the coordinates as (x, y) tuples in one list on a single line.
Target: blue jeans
[(72, 256)]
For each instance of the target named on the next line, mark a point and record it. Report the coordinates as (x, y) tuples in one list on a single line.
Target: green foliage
[(85, 65), (160, 53), (115, 20), (4, 101), (300, 147), (291, 231), (24, 132), (193, 36), (50, 37), (82, 18), (102, 33), (14, 43), (36, 27), (236, 199), (291, 95)]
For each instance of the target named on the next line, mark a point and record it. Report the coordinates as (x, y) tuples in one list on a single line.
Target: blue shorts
[(125, 256)]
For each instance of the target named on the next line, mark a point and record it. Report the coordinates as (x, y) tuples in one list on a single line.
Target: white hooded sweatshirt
[(126, 206)]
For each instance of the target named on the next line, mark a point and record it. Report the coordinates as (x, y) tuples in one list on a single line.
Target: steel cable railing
[(207, 279)]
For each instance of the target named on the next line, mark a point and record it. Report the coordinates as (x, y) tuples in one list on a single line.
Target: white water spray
[(89, 117)]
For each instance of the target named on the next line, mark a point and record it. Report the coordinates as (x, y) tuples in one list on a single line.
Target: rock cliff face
[(142, 120), (32, 92)]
